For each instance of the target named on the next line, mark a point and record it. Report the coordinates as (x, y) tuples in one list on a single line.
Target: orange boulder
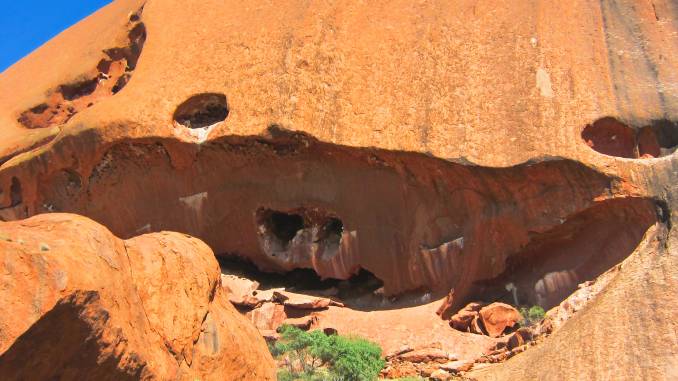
[(496, 317), (87, 305), (462, 320)]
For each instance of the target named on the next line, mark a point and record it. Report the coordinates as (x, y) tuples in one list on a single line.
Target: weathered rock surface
[(496, 317), (269, 316), (458, 145), (462, 320), (425, 355), (592, 345), (87, 305), (172, 166), (240, 290)]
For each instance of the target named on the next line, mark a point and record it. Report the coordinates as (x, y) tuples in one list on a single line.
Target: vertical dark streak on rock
[(610, 57), (612, 11), (654, 10)]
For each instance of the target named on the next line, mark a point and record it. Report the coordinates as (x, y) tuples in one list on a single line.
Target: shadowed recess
[(202, 110), (287, 202), (611, 137)]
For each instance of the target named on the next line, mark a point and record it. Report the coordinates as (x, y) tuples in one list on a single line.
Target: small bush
[(536, 313), (316, 356), (356, 359), (532, 315)]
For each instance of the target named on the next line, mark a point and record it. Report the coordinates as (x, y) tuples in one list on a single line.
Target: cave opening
[(611, 137), (202, 110), (80, 89), (301, 237), (284, 226), (658, 139)]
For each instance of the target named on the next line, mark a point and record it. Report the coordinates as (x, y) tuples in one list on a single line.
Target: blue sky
[(27, 24)]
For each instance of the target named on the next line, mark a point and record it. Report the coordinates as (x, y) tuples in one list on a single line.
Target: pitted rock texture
[(87, 305), (449, 139)]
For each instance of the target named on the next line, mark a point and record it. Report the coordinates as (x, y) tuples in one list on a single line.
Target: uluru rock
[(307, 302), (87, 305), (439, 146), (163, 149), (304, 322)]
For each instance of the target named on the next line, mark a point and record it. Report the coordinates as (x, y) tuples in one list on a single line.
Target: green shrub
[(316, 356), (356, 359), (286, 375), (536, 313), (532, 315)]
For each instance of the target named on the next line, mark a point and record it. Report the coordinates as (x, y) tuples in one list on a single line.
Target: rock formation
[(446, 148), (80, 303)]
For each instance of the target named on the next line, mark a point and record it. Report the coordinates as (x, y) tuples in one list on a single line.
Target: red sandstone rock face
[(443, 147), (293, 201), (87, 305)]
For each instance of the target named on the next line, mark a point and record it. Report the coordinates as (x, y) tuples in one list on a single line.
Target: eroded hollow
[(552, 265), (611, 137), (202, 110), (112, 73), (281, 227), (290, 202), (302, 237)]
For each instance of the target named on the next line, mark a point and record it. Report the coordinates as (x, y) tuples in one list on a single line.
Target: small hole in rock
[(284, 226), (202, 110), (39, 109), (332, 230)]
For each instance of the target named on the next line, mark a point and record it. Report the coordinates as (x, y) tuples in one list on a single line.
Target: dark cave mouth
[(299, 234), (202, 110), (612, 137), (282, 226)]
